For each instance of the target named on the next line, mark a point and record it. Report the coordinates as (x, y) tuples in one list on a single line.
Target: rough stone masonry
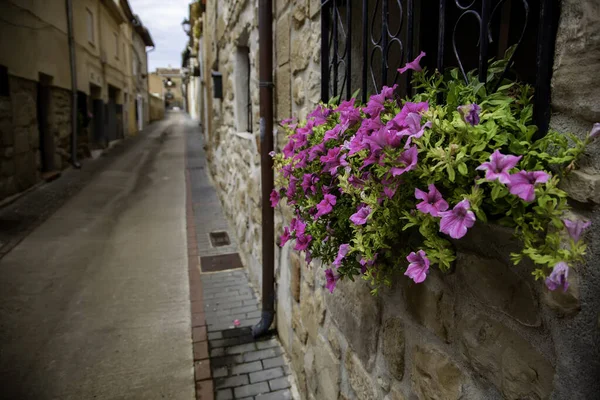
[(486, 331)]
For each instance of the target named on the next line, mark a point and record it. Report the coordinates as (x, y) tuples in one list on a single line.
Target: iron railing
[(364, 42)]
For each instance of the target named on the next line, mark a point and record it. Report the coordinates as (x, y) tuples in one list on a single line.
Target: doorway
[(47, 145), (98, 116)]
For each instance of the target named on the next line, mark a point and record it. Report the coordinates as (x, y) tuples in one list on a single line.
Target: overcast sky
[(163, 18)]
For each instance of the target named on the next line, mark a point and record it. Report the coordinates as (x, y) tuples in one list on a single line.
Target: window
[(90, 26), (356, 55), (134, 64), (116, 45), (243, 102)]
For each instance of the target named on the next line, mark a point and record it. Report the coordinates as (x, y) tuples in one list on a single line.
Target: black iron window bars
[(363, 42)]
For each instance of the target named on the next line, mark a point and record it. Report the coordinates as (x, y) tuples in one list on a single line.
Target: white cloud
[(163, 19)]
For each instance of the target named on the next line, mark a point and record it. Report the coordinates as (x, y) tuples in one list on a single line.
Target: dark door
[(120, 126), (46, 136), (111, 108), (99, 134)]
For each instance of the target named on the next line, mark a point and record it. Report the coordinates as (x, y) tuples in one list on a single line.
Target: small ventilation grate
[(220, 263), (219, 239)]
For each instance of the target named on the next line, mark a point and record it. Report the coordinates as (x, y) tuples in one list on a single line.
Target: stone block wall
[(234, 157), (20, 138), (485, 331)]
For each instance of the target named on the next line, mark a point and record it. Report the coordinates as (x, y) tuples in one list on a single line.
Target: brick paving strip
[(228, 362)]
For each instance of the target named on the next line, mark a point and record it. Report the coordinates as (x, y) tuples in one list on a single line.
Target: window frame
[(91, 31), (116, 45)]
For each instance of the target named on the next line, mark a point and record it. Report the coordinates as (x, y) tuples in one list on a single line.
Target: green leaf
[(462, 169), (355, 94), (451, 173)]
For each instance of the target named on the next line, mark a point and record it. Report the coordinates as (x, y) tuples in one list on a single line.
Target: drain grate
[(219, 239), (220, 263)]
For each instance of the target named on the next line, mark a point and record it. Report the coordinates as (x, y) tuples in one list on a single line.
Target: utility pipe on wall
[(265, 45), (74, 161)]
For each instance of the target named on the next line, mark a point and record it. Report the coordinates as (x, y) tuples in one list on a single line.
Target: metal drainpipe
[(74, 161), (265, 45)]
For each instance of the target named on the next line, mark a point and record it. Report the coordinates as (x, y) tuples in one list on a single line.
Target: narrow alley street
[(95, 301)]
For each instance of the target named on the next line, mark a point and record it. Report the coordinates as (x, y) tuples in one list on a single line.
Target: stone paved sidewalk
[(229, 363)]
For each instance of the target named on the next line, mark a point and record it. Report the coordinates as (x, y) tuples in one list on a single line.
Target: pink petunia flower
[(433, 203), (291, 190), (364, 263), (389, 187), (333, 159), (419, 266), (414, 64), (342, 252), (522, 184), (274, 197), (409, 158), (399, 121), (316, 151), (285, 236), (302, 242), (376, 103), (331, 280), (333, 133), (558, 277), (456, 221), (576, 228), (298, 226), (308, 183), (414, 128), (498, 167), (325, 206), (470, 113), (360, 217)]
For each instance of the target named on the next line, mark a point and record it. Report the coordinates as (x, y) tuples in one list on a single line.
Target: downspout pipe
[(265, 45), (74, 161)]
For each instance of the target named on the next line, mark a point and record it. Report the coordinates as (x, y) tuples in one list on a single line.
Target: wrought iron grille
[(364, 42)]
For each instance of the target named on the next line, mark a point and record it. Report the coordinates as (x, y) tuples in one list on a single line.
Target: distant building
[(166, 83)]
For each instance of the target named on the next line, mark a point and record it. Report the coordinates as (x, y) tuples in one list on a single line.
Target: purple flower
[(360, 217), (432, 203), (409, 159), (291, 190), (419, 266), (286, 171), (364, 263), (470, 112), (285, 236), (297, 226), (274, 198), (414, 64), (302, 242), (389, 187), (414, 128), (576, 228), (522, 184), (456, 221), (595, 132), (376, 102), (382, 138), (331, 280), (288, 149), (399, 121), (498, 167), (332, 133), (325, 206), (308, 182), (343, 250), (333, 160), (349, 114), (316, 151), (319, 115), (558, 277)]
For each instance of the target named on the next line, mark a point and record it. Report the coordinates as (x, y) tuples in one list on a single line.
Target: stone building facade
[(35, 88), (485, 331)]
